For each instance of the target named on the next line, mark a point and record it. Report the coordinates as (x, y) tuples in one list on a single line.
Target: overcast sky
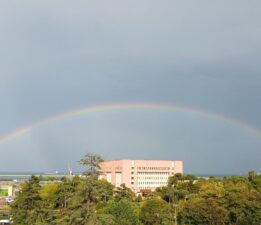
[(58, 56)]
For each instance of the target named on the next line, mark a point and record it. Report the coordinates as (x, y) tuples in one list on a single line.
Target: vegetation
[(3, 192), (5, 211), (90, 201)]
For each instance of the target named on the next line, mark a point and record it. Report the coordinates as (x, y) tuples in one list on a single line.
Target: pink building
[(140, 174)]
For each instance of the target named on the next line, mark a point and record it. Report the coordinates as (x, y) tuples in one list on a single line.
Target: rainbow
[(126, 106)]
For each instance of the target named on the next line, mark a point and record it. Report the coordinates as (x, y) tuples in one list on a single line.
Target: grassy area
[(3, 192)]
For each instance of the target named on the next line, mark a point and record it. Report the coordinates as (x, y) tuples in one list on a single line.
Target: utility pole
[(175, 207)]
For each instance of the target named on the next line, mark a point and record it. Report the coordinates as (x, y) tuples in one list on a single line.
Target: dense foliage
[(88, 200)]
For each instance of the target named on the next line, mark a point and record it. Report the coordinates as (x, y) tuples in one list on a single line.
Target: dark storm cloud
[(58, 55)]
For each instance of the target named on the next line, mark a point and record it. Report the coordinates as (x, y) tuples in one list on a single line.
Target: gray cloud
[(57, 56)]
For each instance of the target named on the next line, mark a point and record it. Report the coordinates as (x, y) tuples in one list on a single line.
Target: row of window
[(144, 188), (154, 173), (153, 168), (156, 182), (152, 178)]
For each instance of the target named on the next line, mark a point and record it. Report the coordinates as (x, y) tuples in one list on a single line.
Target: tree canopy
[(89, 201)]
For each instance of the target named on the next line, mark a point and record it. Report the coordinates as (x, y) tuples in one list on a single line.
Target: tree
[(164, 193), (255, 180), (89, 201), (92, 162), (201, 211), (124, 192), (65, 191), (122, 211), (243, 205), (172, 186), (105, 190), (190, 177), (101, 219), (27, 208), (156, 212), (49, 194)]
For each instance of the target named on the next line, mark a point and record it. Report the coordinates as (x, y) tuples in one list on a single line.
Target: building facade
[(140, 175)]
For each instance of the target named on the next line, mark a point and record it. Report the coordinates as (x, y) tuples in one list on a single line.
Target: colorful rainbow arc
[(124, 106)]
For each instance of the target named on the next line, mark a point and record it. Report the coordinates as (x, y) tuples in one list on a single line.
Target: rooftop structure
[(140, 175)]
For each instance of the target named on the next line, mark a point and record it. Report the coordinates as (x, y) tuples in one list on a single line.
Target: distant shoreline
[(9, 176)]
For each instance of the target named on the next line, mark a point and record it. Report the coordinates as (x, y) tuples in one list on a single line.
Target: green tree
[(101, 219), (27, 208), (49, 194), (65, 192), (243, 207), (122, 211), (190, 177), (92, 162), (124, 192), (164, 193), (201, 211), (255, 180), (105, 190), (156, 212), (172, 187)]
